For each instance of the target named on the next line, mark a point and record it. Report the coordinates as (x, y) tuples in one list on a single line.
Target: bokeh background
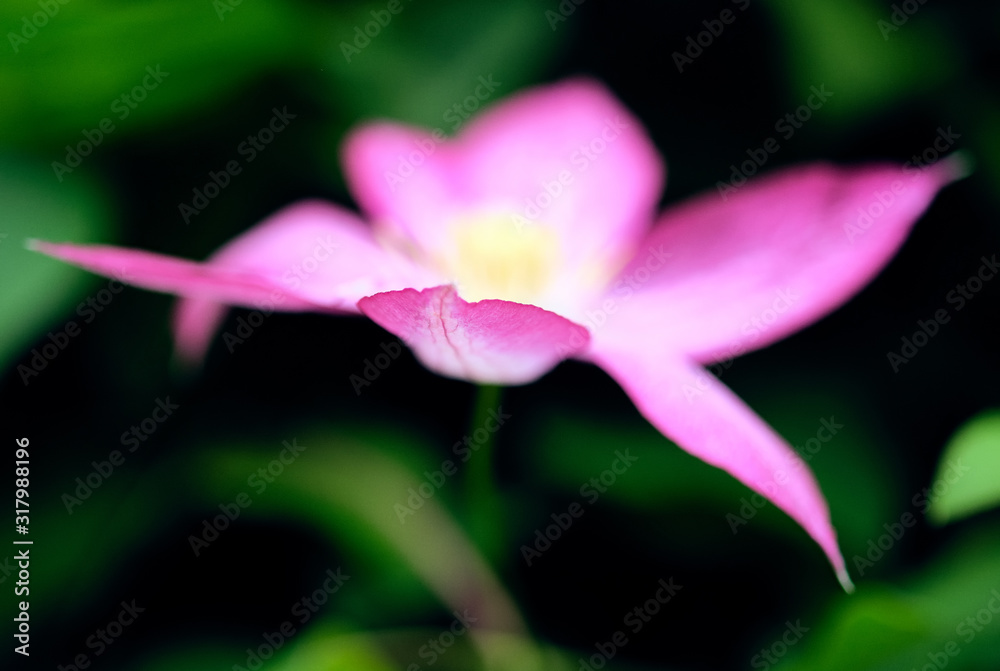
[(761, 596)]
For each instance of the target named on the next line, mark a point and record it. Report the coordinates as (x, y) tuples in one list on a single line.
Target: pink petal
[(169, 275), (310, 249), (509, 160), (322, 253), (195, 323), (403, 178), (490, 341), (309, 256), (704, 417), (777, 255)]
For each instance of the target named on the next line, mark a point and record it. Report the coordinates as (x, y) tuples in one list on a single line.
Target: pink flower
[(529, 239)]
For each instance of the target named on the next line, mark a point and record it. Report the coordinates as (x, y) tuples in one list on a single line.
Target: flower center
[(490, 256)]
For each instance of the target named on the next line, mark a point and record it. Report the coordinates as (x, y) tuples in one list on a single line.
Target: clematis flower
[(532, 237)]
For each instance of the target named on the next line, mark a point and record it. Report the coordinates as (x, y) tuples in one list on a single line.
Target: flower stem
[(484, 506)]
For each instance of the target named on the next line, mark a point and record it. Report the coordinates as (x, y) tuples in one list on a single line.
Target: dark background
[(665, 518)]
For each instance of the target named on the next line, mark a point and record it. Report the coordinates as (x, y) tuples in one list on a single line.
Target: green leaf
[(968, 475), (871, 631), (336, 651), (940, 614), (846, 46), (73, 71), (38, 290), (430, 57), (335, 647), (125, 511), (360, 494)]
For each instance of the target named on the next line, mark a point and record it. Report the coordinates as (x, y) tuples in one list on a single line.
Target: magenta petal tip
[(845, 580)]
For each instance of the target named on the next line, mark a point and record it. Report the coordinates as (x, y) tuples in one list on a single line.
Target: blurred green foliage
[(844, 45), (967, 474), (228, 64), (90, 54), (35, 206)]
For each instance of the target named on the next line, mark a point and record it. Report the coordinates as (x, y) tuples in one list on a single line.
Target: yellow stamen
[(492, 256)]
